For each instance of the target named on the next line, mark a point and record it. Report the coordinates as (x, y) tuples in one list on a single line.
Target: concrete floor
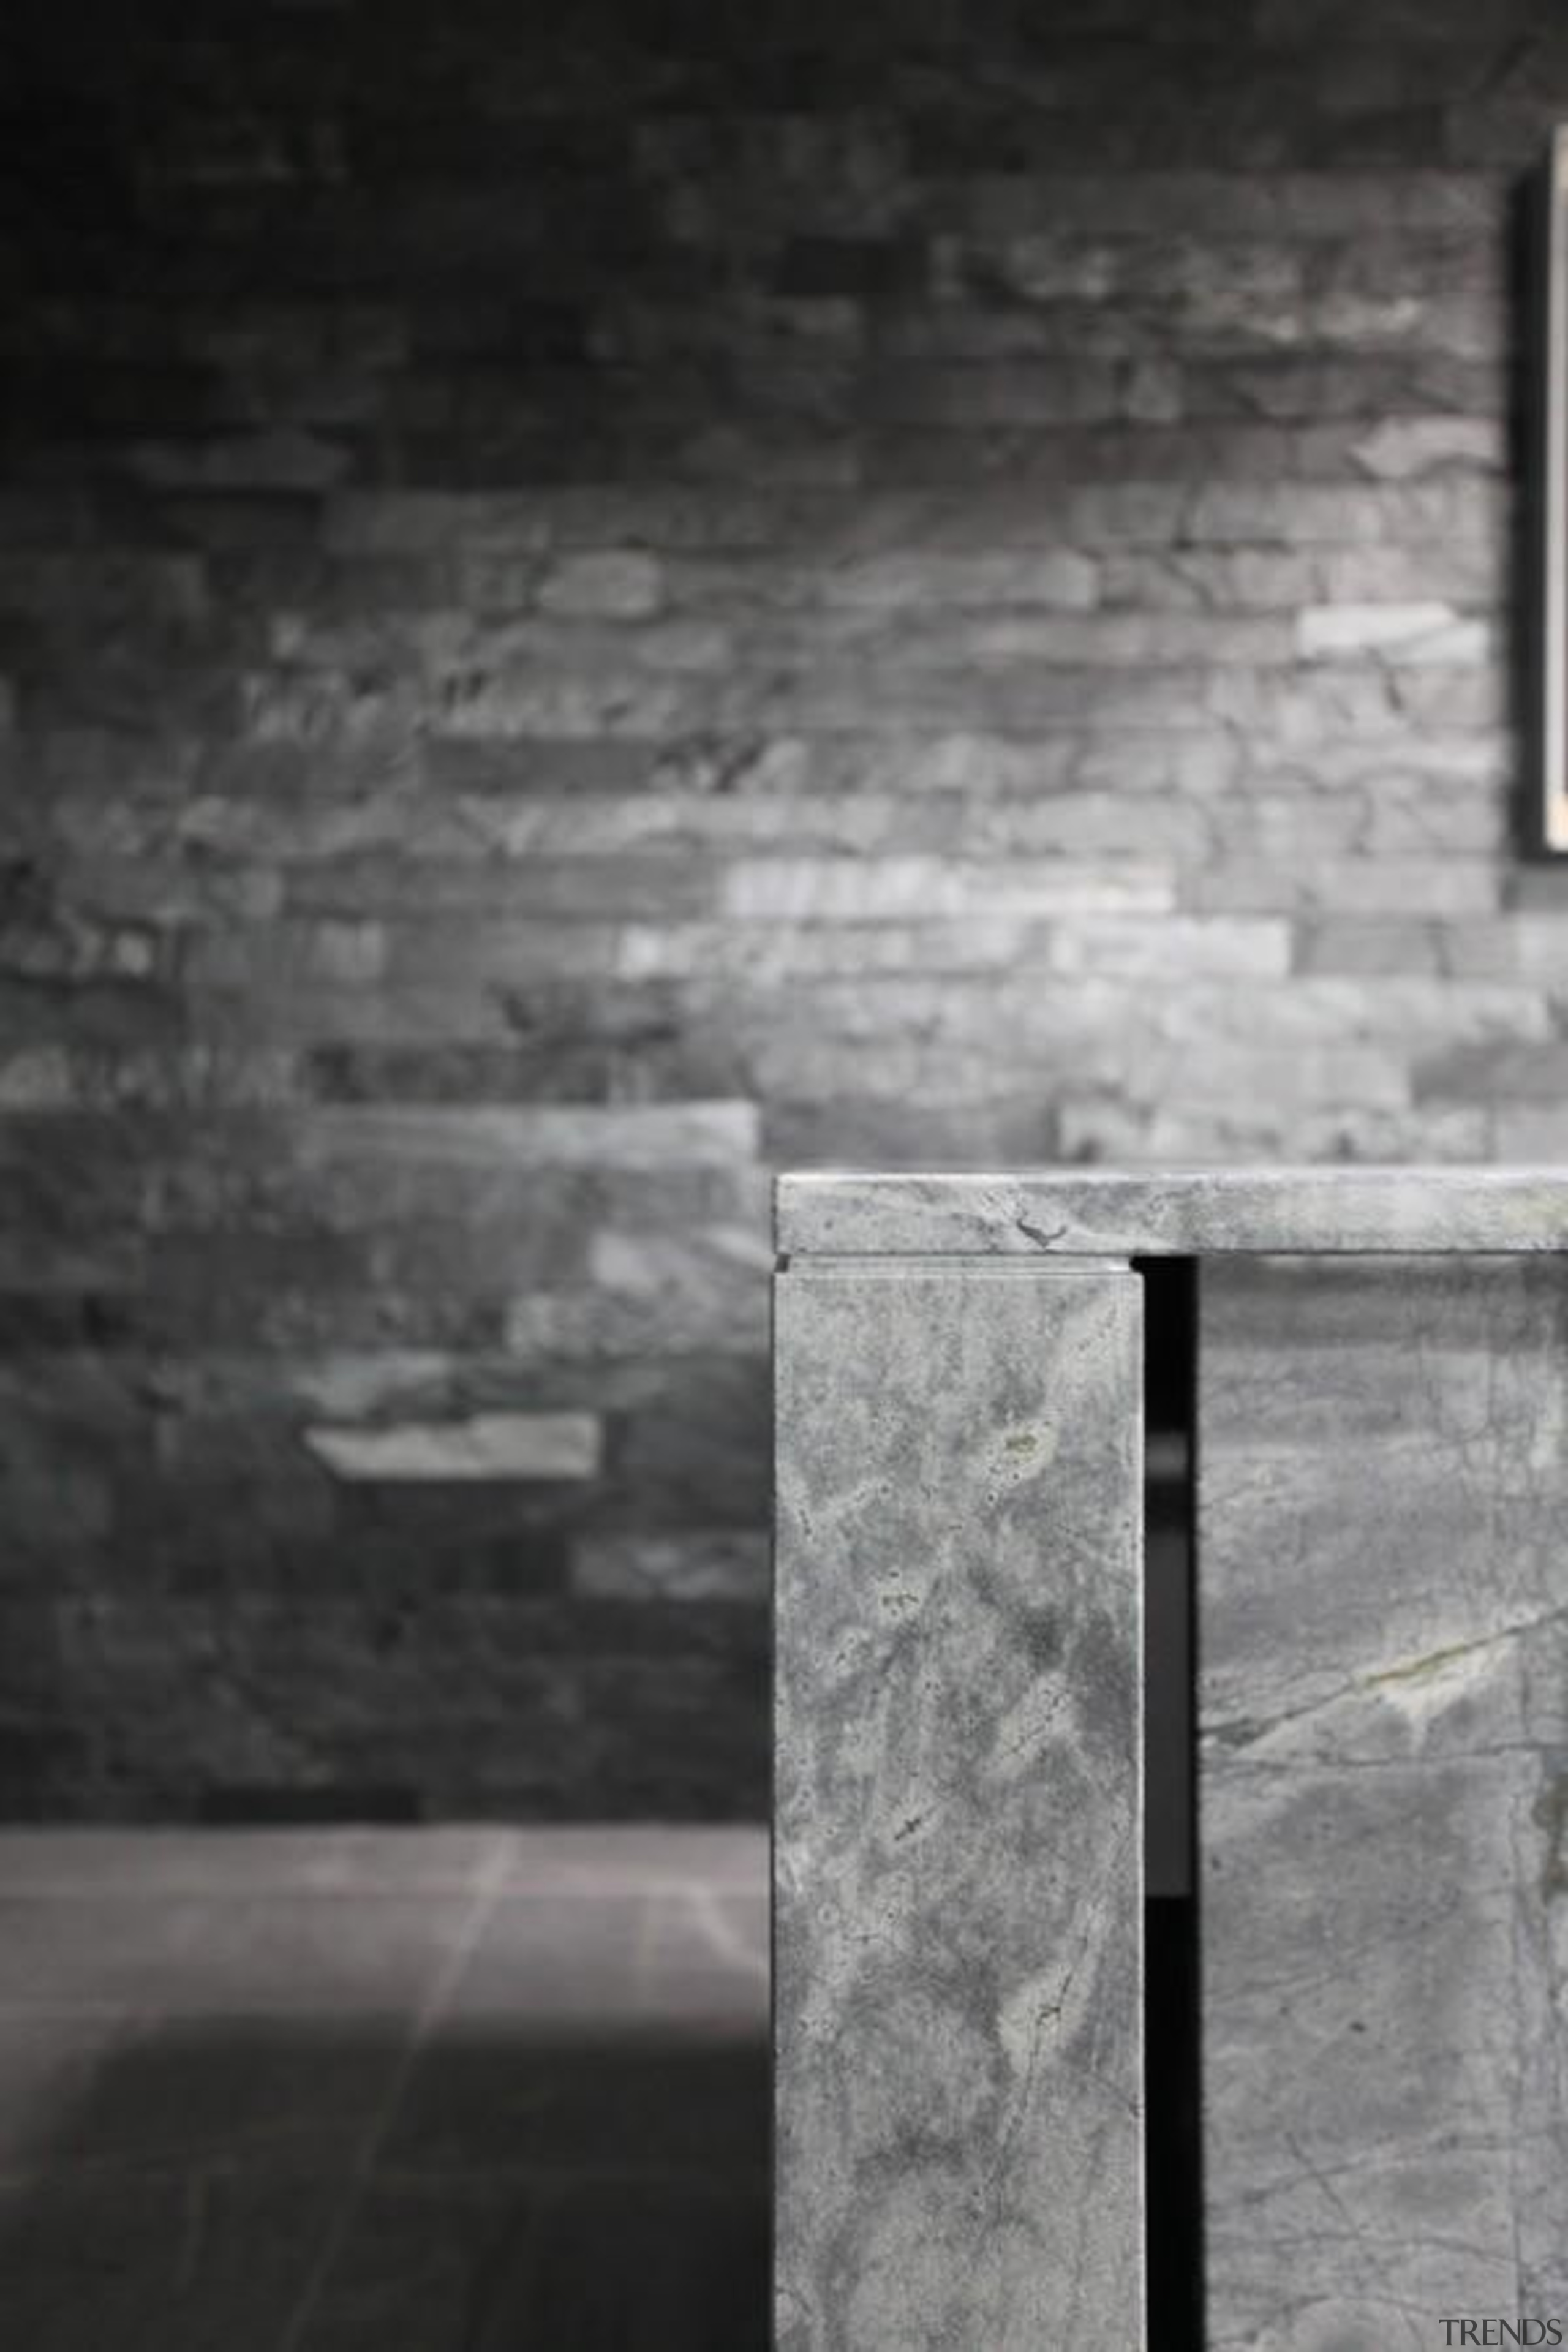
[(421, 2091)]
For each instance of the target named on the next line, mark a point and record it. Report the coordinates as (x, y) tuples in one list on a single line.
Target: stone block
[(1394, 634), (1133, 641), (806, 951), (1013, 1125), (1189, 581), (956, 1877), (1060, 580), (1368, 1775), (343, 954), (280, 459), (629, 1136), (894, 888), (1085, 392), (731, 1564), (1368, 386), (1522, 1076), (1403, 449), (1372, 944), (1340, 23), (1299, 208), (487, 1446), (294, 1291), (125, 586), (615, 584), (1311, 515), (1270, 1130), (691, 1442), (651, 1295), (1439, 889), (1180, 948), (1449, 761), (608, 702), (157, 1672)]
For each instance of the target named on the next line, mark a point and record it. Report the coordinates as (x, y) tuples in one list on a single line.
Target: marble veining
[(1383, 1785), (957, 1811), (1383, 1632)]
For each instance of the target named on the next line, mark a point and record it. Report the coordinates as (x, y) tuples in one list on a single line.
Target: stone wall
[(594, 599)]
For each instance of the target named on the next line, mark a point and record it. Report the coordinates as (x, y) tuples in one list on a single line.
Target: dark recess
[(1171, 2001)]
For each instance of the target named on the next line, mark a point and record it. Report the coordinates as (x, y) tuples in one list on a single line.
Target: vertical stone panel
[(1383, 1711), (958, 1941)]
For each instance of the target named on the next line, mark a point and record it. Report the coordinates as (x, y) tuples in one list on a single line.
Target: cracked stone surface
[(957, 1824), (1384, 1786)]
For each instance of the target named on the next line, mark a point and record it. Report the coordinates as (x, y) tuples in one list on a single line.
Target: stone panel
[(1382, 1494), (958, 1809)]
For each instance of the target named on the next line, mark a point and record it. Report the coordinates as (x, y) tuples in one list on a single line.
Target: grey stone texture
[(958, 1827), (1200, 1213), (1383, 1491), (1382, 1484), (586, 611)]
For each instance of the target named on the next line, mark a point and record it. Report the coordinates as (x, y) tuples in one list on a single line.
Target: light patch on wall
[(488, 1446)]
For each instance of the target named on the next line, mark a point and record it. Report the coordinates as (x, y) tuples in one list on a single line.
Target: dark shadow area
[(1175, 2125), (1174, 1992), (309, 2186)]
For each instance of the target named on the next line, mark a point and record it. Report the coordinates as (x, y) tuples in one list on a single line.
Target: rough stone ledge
[(1148, 1214)]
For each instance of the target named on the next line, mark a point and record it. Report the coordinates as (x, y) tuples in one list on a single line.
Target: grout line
[(490, 1878)]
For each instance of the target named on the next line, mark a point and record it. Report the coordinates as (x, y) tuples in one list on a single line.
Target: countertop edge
[(1441, 1209)]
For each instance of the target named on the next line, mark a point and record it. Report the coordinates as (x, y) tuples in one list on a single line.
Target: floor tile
[(562, 1962), (467, 2091), (601, 1861), (477, 2104), (210, 2262), (207, 1864), (628, 2268), (621, 1961), (105, 2091), (703, 1960), (50, 2066), (369, 1954), (415, 2266)]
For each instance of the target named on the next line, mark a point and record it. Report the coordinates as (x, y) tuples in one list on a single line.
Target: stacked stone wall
[(597, 599)]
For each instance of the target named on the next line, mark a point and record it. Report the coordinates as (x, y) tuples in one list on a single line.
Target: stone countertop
[(1173, 1212)]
